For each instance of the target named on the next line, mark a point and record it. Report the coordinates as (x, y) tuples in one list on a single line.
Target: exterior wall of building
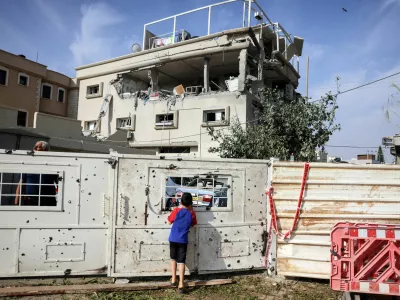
[(8, 116), (189, 131), (73, 99), (29, 98), (53, 106), (18, 96), (58, 126)]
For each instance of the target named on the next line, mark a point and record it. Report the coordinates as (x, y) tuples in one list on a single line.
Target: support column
[(206, 74), (153, 76), (242, 70), (261, 58)]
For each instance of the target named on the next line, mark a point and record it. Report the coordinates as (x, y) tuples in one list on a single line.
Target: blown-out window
[(167, 121), (208, 191), (216, 117), (30, 190)]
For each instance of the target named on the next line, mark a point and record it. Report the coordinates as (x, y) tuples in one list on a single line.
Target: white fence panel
[(334, 193)]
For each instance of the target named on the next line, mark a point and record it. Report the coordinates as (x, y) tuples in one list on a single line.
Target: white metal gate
[(53, 228), (229, 235)]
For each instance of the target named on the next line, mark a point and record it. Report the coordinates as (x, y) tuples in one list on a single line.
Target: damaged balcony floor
[(253, 286)]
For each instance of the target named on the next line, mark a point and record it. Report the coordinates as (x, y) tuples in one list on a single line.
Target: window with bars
[(30, 189), (166, 121), (207, 191), (124, 123)]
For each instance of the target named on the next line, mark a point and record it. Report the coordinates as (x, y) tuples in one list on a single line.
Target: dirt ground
[(255, 286)]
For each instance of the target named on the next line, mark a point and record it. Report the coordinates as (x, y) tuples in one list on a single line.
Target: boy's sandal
[(181, 290), (174, 284)]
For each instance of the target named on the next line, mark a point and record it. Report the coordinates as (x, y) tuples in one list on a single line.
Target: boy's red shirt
[(172, 216)]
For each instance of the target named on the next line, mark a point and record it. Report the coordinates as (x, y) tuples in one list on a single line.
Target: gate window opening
[(29, 189), (207, 191)]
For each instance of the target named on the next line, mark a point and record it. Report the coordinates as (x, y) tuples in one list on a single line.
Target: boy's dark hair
[(187, 199)]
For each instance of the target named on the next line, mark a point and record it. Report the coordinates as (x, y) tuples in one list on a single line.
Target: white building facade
[(165, 96)]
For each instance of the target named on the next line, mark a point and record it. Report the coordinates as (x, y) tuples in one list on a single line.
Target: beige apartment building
[(165, 94), (30, 87)]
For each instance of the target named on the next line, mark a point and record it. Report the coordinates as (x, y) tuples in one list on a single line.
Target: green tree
[(280, 127), (381, 157)]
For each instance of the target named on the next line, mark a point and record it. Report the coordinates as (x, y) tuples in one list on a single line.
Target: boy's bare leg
[(173, 269), (181, 275)]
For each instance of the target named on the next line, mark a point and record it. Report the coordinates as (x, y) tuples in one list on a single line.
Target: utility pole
[(337, 85)]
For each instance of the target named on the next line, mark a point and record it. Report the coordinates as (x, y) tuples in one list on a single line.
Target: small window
[(29, 189), (93, 91), (61, 95), (207, 191), (123, 123), (23, 79), (216, 117), (46, 90), (3, 76), (21, 118), (167, 121), (91, 125)]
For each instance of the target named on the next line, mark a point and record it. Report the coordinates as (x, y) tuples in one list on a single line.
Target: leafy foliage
[(280, 127), (381, 157)]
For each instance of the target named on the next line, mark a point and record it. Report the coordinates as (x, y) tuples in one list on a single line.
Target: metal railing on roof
[(247, 5)]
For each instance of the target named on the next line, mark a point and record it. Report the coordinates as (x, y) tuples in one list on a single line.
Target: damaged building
[(163, 96)]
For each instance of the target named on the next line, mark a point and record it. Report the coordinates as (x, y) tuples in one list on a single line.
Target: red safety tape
[(274, 217)]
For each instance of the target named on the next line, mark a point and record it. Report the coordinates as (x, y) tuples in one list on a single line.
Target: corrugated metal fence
[(334, 193)]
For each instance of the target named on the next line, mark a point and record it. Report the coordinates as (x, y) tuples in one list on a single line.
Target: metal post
[(277, 40), (209, 21), (144, 38), (285, 47), (244, 14), (307, 65), (249, 15), (298, 64), (173, 34), (206, 75), (200, 142)]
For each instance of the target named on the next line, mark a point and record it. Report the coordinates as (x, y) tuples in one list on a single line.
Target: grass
[(247, 287)]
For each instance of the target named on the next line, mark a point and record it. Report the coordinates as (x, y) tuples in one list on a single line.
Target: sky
[(357, 46)]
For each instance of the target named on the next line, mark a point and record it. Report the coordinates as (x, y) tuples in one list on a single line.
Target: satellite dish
[(136, 48)]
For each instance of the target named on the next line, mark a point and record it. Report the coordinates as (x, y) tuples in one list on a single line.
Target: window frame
[(26, 118), (91, 130), (131, 127), (216, 123), (59, 197), (25, 75), (7, 74), (98, 94), (174, 122), (229, 195), (51, 90), (58, 94)]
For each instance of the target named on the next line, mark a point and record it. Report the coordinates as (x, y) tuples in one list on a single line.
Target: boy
[(181, 218)]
